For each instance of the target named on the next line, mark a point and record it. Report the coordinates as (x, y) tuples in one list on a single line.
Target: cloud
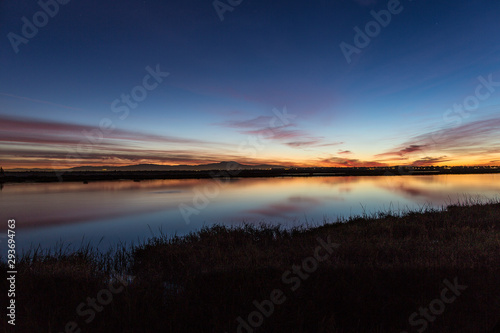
[(330, 144), (481, 134), (42, 102), (258, 122), (404, 151), (265, 127), (277, 133), (309, 96), (478, 139), (344, 152), (298, 144), (32, 142), (15, 129), (64, 158), (411, 149), (354, 163), (311, 143), (428, 161)]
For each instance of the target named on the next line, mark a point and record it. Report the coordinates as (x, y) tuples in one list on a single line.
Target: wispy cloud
[(28, 142), (287, 134), (258, 122), (14, 129), (480, 138), (345, 162), (39, 101), (404, 151), (427, 161), (312, 143)]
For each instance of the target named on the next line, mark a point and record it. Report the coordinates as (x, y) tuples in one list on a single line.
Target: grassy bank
[(377, 272)]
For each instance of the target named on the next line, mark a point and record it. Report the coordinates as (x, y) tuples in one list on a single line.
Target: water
[(110, 212)]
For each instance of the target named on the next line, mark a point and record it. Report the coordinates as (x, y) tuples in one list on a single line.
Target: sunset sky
[(169, 82)]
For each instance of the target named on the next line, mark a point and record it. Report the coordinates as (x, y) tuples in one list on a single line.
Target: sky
[(295, 83)]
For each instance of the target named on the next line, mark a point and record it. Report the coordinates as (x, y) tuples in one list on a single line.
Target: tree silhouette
[(1, 171)]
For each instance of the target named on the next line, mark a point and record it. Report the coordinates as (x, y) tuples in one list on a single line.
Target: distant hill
[(158, 167)]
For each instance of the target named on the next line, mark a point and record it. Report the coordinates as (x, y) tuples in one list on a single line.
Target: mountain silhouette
[(231, 165)]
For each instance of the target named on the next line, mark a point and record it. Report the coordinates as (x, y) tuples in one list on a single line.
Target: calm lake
[(110, 212)]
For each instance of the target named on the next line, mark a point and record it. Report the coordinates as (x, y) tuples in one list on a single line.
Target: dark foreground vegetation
[(438, 269), (236, 170)]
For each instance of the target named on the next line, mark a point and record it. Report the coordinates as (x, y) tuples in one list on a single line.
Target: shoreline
[(86, 176)]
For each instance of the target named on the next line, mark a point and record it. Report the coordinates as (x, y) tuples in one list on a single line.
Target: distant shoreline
[(87, 176)]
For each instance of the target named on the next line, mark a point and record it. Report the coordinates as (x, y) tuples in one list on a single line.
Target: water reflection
[(289, 208), (127, 210)]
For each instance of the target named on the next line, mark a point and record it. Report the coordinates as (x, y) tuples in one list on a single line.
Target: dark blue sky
[(392, 104)]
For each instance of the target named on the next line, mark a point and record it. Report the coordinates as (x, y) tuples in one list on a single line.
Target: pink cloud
[(262, 126), (29, 130)]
